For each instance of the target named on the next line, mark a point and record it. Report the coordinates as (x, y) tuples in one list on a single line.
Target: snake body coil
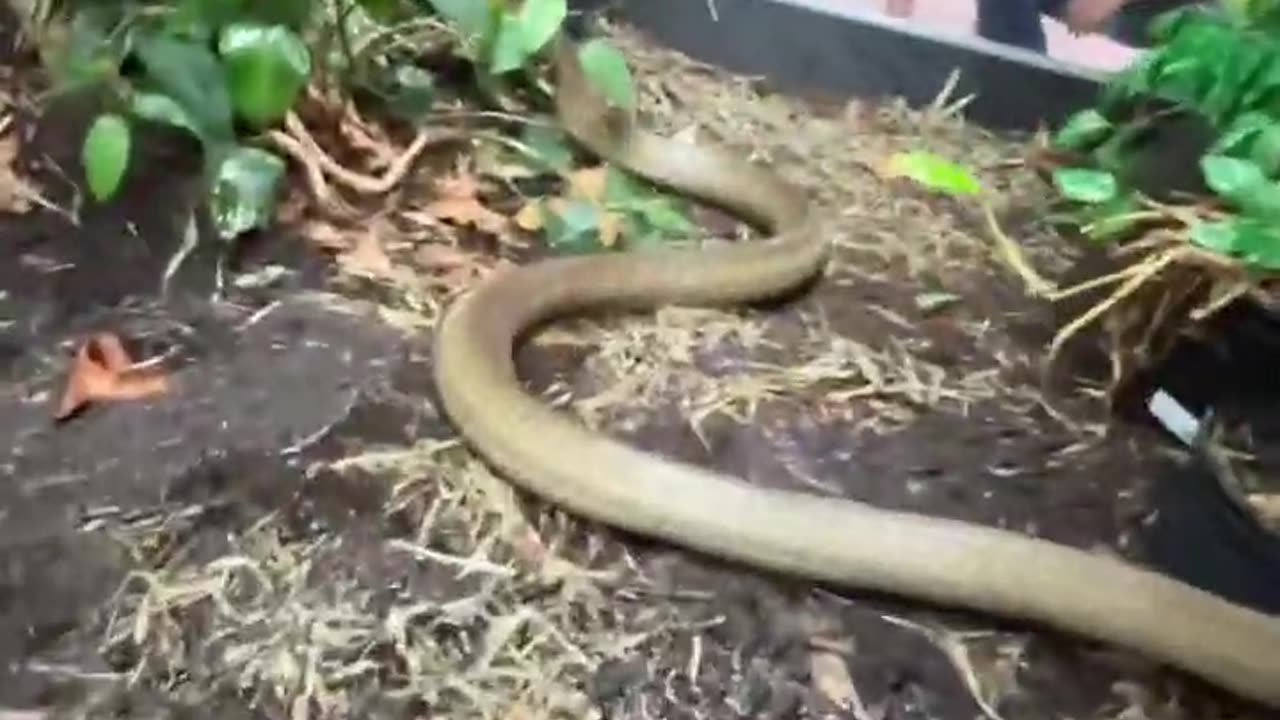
[(835, 541)]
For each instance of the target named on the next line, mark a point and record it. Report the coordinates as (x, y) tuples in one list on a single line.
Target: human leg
[(1012, 22)]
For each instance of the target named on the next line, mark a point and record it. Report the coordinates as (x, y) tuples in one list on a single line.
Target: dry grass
[(489, 619)]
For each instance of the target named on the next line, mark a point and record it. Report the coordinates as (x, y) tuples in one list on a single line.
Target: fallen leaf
[(438, 256), (458, 203), (529, 217), (326, 236), (103, 372), (367, 255), (608, 225), (589, 183)]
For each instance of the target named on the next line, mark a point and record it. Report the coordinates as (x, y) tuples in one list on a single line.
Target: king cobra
[(838, 542)]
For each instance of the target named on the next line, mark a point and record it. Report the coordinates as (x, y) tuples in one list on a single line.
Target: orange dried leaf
[(458, 203), (103, 372), (589, 183), (530, 216), (468, 211), (610, 228), (367, 256)]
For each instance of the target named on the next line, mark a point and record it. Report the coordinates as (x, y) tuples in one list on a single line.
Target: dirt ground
[(292, 530)]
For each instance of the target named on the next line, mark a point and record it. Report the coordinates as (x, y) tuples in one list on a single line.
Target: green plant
[(211, 68), (1223, 68), (224, 71)]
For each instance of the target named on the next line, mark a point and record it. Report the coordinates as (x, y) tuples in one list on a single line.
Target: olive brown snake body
[(834, 541)]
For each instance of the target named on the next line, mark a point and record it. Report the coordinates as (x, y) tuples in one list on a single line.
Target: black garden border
[(848, 48)]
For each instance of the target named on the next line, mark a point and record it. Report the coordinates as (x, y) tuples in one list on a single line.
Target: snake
[(829, 541)]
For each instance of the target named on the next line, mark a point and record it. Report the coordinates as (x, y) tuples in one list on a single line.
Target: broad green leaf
[(1082, 129), (191, 76), (1261, 201), (105, 155), (1181, 80), (1110, 220), (934, 172), (1165, 26), (87, 55), (623, 189), (1232, 76), (1255, 242), (1265, 150), (384, 11), (293, 14), (158, 108), (508, 51), (1230, 177), (1240, 134), (1220, 236), (932, 301), (575, 228), (266, 67), (1086, 185), (607, 69), (413, 93), (539, 22), (663, 215), (470, 18), (243, 190), (551, 146), (200, 19)]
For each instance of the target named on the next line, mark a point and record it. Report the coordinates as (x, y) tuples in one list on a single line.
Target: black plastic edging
[(850, 49)]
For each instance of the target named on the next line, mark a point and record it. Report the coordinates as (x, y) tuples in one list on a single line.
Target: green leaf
[(191, 76), (623, 189), (1082, 129), (105, 155), (539, 22), (472, 19), (293, 14), (1240, 133), (89, 54), (551, 146), (1110, 220), (932, 301), (243, 190), (573, 229), (158, 108), (934, 172), (266, 67), (1230, 177), (1255, 242), (663, 215), (607, 69), (384, 11), (200, 19), (1265, 150), (508, 51), (413, 93), (1086, 185)]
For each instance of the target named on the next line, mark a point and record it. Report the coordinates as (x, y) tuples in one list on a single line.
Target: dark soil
[(263, 391)]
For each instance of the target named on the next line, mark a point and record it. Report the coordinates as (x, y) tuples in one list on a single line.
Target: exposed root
[(321, 169)]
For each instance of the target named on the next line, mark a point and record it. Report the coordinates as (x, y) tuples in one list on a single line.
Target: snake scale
[(837, 542)]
